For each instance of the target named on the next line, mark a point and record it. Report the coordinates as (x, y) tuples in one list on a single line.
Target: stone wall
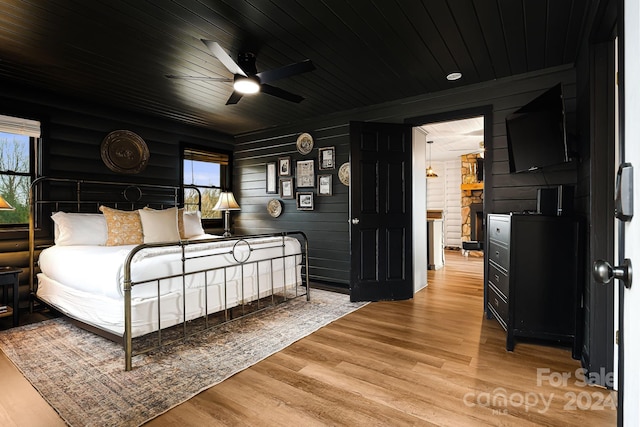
[(472, 192)]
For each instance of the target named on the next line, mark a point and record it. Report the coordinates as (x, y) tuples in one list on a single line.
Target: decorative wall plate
[(304, 144), (274, 207), (343, 173), (124, 152)]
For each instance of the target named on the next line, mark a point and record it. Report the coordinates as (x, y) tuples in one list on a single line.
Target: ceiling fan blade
[(234, 98), (286, 71), (210, 79), (280, 93), (223, 57)]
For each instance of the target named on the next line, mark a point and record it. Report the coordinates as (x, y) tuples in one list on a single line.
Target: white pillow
[(79, 229), (160, 225), (192, 224)]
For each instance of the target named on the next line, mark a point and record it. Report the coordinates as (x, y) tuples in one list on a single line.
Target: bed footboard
[(217, 276)]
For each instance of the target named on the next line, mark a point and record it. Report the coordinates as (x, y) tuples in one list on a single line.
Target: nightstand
[(9, 277)]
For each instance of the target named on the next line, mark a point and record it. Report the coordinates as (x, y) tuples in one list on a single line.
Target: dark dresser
[(533, 282)]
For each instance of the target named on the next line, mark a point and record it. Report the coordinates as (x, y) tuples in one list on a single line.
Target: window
[(208, 171), (17, 141)]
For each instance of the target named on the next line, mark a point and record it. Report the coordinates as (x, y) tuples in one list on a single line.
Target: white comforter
[(100, 269)]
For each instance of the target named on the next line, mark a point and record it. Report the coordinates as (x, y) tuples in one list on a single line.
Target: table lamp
[(226, 203)]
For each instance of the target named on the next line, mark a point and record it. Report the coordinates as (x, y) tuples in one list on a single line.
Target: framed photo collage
[(298, 179)]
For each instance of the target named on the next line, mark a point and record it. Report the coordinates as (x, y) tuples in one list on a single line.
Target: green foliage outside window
[(15, 177)]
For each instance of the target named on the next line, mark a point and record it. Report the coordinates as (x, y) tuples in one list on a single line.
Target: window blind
[(203, 156), (20, 126)]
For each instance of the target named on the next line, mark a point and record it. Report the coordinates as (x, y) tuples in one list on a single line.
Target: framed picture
[(325, 185), (326, 158), (305, 173), (284, 166), (286, 188), (272, 183), (304, 201)]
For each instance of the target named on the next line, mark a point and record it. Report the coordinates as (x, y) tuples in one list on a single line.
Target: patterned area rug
[(82, 375)]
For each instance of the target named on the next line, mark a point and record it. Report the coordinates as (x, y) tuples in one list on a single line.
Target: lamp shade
[(4, 205), (226, 202)]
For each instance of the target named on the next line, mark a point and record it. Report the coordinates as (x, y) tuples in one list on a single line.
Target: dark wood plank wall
[(72, 133), (327, 226)]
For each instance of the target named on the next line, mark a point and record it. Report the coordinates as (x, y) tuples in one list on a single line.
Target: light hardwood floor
[(433, 360)]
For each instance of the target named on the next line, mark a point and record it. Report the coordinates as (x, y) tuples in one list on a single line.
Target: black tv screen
[(536, 134)]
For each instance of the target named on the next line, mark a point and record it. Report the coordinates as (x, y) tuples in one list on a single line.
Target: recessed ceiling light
[(456, 75)]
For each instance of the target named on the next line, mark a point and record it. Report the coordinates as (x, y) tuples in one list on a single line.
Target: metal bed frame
[(73, 198)]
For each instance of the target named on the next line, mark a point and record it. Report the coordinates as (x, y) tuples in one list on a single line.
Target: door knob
[(355, 221), (603, 272)]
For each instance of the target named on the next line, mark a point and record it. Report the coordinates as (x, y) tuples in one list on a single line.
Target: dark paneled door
[(380, 187)]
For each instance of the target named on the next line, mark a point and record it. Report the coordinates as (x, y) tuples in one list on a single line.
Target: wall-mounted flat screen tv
[(536, 133)]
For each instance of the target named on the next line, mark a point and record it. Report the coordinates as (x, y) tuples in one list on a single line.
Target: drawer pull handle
[(495, 302), (497, 277), (497, 254), (497, 229)]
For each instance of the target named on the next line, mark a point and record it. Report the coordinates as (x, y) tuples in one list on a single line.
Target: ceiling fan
[(246, 79)]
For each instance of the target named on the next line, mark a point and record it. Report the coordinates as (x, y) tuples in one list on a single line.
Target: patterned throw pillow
[(123, 227)]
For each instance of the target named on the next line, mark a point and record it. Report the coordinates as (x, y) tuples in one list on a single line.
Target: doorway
[(455, 189), (486, 115)]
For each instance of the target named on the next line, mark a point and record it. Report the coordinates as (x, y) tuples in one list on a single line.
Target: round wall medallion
[(343, 173), (124, 152), (304, 144), (274, 207)]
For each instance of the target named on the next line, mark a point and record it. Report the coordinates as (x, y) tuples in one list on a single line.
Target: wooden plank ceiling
[(117, 52)]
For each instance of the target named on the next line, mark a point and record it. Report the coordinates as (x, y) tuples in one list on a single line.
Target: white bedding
[(86, 282)]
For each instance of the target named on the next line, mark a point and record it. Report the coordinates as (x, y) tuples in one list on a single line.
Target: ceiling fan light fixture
[(456, 75), (246, 85)]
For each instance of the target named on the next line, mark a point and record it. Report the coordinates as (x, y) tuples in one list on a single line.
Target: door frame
[(620, 21), (486, 111)]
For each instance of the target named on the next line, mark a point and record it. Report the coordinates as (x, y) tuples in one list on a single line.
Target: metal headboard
[(47, 195)]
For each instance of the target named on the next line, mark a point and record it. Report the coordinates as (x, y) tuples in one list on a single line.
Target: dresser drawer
[(499, 279), (499, 229), (499, 305), (499, 255)]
